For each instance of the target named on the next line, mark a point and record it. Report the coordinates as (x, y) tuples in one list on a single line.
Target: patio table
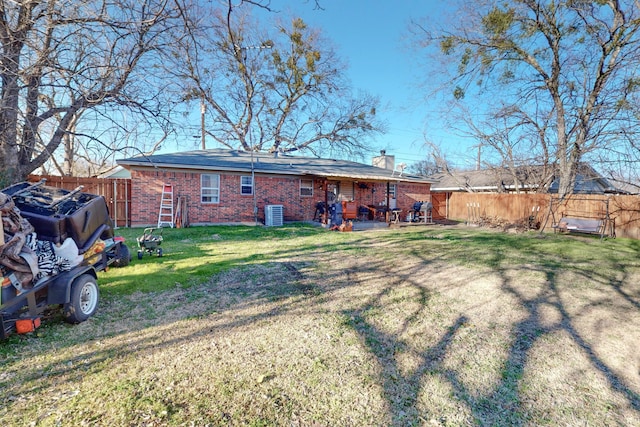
[(396, 215)]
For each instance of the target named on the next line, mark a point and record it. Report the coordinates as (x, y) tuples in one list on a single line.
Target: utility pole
[(244, 49), (203, 110)]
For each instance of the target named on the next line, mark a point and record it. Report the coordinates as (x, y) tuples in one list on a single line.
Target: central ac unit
[(273, 215)]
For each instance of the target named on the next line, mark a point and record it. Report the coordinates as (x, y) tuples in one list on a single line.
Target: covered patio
[(374, 202)]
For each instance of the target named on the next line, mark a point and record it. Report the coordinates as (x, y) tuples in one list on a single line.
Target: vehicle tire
[(159, 251), (123, 256), (140, 254), (84, 299)]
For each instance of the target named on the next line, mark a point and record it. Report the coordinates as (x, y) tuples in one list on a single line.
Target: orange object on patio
[(349, 210)]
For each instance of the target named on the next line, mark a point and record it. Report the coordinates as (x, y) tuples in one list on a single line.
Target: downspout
[(253, 183)]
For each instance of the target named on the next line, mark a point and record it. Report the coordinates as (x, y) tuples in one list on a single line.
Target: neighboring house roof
[(116, 172), (492, 179), (529, 178), (624, 187), (241, 161)]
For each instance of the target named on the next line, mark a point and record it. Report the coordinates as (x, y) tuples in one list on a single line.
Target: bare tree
[(281, 91), (573, 63), (434, 163), (424, 167), (63, 59), (519, 142)]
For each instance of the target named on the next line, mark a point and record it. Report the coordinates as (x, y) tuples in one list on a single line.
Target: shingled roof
[(529, 178), (245, 162)]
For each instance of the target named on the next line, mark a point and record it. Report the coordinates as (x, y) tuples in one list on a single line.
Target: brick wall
[(146, 192), (409, 193)]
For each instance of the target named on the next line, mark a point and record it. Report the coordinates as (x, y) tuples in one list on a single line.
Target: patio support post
[(325, 215), (388, 188), (386, 214)]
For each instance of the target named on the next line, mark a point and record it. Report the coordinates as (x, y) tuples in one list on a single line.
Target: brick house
[(226, 186)]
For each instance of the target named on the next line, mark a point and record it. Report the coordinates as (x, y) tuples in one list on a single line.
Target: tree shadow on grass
[(500, 405), (401, 406), (503, 403), (532, 327)]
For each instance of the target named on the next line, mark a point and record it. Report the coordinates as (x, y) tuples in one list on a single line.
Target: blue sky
[(371, 36)]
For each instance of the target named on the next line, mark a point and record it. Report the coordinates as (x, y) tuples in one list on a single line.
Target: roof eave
[(247, 168), (282, 171)]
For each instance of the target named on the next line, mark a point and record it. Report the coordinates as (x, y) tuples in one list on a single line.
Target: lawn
[(300, 326)]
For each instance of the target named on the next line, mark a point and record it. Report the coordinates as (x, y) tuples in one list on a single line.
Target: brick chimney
[(384, 161)]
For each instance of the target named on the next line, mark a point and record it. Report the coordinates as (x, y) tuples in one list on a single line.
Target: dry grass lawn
[(378, 328)]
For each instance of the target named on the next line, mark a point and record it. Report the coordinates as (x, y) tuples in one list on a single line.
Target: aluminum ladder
[(165, 216)]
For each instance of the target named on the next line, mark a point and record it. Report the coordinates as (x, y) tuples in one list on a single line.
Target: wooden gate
[(439, 201)]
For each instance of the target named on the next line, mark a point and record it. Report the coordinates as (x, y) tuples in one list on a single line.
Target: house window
[(246, 185), (345, 191), (306, 187), (209, 188)]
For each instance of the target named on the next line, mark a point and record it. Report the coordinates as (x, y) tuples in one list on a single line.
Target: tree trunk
[(9, 164)]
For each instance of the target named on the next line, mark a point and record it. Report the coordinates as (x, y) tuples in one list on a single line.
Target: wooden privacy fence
[(514, 208), (116, 191), (517, 208)]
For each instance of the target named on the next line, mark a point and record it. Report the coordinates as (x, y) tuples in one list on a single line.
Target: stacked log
[(14, 254)]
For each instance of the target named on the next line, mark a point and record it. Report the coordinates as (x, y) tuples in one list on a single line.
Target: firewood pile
[(506, 225), (23, 258), (14, 255)]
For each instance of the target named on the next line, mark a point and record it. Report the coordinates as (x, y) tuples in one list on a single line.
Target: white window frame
[(210, 194), (306, 190), (244, 185), (393, 191)]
